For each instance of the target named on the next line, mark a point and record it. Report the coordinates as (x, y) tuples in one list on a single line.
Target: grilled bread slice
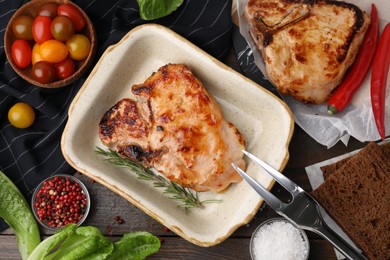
[(307, 45)]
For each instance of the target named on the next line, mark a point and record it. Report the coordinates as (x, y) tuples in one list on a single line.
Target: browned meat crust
[(176, 127), (307, 46)]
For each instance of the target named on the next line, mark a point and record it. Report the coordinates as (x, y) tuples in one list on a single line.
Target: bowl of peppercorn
[(60, 200)]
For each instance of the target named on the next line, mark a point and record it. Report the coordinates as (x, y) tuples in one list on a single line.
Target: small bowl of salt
[(278, 239)]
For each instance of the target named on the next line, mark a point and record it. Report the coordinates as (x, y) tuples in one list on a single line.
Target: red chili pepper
[(380, 70), (344, 93)]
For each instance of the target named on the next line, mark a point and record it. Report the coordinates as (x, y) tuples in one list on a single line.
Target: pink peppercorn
[(60, 201)]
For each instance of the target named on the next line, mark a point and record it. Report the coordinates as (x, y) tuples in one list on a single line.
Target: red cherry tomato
[(49, 9), (21, 53), (43, 72), (65, 68), (74, 14), (41, 29)]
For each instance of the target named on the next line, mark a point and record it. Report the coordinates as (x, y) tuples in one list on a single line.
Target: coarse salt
[(279, 240)]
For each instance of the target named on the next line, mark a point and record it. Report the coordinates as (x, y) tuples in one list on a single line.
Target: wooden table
[(106, 206)]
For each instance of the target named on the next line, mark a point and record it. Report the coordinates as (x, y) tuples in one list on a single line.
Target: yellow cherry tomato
[(36, 56), (21, 115), (53, 51), (78, 46)]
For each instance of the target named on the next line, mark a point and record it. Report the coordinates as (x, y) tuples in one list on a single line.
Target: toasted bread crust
[(357, 197)]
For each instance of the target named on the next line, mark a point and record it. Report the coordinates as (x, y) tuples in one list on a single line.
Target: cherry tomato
[(41, 29), (36, 56), (43, 72), (62, 28), (79, 46), (49, 9), (53, 51), (21, 27), (21, 115), (74, 14), (21, 53), (65, 68)]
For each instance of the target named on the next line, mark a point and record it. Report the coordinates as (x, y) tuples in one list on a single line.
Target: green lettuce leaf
[(85, 243), (134, 246), (153, 9), (88, 243), (16, 212), (47, 245)]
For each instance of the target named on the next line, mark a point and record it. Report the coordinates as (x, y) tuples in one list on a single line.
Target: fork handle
[(345, 248)]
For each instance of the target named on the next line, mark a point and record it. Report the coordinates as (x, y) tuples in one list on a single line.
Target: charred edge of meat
[(164, 70), (301, 1), (107, 129), (359, 21), (138, 154), (267, 38), (359, 13), (268, 32), (237, 133), (138, 89)]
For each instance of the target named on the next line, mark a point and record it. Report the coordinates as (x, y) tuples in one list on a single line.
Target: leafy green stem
[(186, 198)]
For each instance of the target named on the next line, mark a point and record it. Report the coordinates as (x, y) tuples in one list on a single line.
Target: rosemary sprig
[(186, 198)]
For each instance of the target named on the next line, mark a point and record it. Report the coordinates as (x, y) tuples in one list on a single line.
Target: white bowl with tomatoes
[(50, 43)]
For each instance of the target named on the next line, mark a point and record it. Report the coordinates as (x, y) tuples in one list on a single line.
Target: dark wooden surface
[(106, 205)]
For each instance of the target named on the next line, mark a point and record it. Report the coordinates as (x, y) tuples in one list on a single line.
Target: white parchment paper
[(357, 119)]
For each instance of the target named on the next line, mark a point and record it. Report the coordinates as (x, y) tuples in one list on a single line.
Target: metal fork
[(303, 211)]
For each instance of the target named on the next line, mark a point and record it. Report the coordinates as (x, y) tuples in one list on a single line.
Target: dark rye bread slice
[(331, 168), (357, 197)]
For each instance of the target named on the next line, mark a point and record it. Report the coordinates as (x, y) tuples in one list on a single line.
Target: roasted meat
[(307, 45), (176, 127)]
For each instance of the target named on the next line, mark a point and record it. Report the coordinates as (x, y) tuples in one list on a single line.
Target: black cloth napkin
[(247, 62), (27, 156)]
